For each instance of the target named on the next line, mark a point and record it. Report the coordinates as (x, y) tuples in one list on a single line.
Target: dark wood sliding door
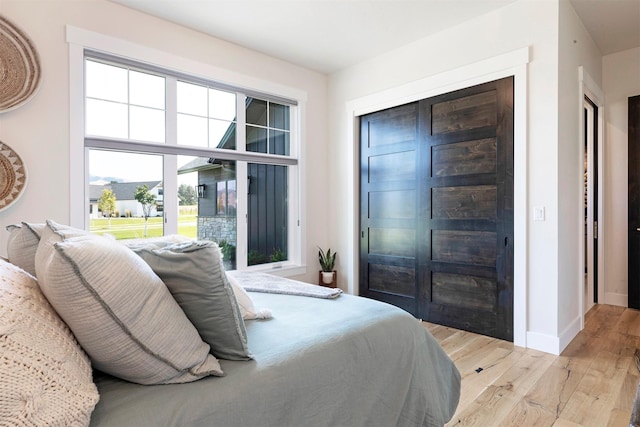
[(437, 208), (466, 245), (389, 206)]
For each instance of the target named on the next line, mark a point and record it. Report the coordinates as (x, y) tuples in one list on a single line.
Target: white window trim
[(80, 39)]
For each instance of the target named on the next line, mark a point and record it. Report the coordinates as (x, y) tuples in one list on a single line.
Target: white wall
[(621, 79), (527, 23), (39, 130), (575, 49)]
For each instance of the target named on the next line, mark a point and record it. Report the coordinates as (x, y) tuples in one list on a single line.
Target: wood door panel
[(468, 202), (392, 279), (392, 241), (398, 204), (464, 247), (465, 113), (392, 167), (463, 291), (392, 126), (465, 319), (464, 158)]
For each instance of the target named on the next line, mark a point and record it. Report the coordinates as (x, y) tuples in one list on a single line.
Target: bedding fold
[(269, 283)]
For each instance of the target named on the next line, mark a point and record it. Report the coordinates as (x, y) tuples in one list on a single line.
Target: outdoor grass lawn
[(132, 228)]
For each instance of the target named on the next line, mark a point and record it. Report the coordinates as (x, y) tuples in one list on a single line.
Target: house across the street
[(125, 198)]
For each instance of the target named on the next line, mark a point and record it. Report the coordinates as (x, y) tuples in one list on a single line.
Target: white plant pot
[(327, 277)]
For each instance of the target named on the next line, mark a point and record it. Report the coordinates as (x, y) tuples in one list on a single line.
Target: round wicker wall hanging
[(19, 67), (13, 176)]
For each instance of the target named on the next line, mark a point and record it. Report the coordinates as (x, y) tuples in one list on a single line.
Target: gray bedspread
[(348, 361)]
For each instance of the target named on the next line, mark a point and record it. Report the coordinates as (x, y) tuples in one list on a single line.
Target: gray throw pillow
[(119, 310), (195, 276), (22, 245)]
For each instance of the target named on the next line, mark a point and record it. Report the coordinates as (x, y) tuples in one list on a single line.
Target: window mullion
[(171, 111), (241, 123), (241, 184), (170, 172), (128, 103)]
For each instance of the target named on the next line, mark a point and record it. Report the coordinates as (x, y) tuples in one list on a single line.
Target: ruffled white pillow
[(248, 309)]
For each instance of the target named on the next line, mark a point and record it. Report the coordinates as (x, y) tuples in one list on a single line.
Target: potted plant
[(327, 261)]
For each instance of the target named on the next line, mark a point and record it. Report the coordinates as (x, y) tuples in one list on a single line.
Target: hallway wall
[(621, 79)]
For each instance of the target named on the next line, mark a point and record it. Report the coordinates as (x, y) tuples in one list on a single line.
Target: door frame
[(590, 145), (509, 64), (589, 89)]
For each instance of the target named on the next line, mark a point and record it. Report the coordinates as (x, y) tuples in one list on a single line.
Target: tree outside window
[(148, 201), (107, 204)]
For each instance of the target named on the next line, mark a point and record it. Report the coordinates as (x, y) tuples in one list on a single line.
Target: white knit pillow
[(119, 310), (45, 377)]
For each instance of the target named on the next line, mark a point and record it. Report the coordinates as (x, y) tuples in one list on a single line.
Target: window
[(173, 137), (226, 198), (206, 116), (132, 100), (267, 127)]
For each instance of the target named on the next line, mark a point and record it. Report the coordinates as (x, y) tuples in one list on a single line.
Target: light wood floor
[(592, 383)]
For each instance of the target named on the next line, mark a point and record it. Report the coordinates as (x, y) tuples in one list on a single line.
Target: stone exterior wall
[(217, 228)]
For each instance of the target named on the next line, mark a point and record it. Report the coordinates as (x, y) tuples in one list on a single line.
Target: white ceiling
[(328, 35)]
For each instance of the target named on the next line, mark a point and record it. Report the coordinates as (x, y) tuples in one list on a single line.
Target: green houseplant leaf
[(327, 259)]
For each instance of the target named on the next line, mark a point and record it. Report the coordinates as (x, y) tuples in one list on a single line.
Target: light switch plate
[(538, 213)]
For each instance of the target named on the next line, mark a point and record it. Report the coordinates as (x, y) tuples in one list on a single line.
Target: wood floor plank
[(600, 322), (472, 356), (440, 332), (625, 322), (627, 392), (554, 388), (634, 326), (619, 418), (494, 404), (597, 392), (493, 366), (462, 343), (528, 414), (592, 383), (525, 372), (565, 423)]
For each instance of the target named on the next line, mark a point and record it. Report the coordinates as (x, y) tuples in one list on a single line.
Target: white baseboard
[(543, 342), (612, 298), (552, 344), (569, 333)]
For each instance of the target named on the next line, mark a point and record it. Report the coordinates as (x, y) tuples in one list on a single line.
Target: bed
[(347, 361), (156, 333)]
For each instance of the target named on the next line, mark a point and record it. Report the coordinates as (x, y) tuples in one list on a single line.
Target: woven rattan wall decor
[(13, 176), (20, 72)]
